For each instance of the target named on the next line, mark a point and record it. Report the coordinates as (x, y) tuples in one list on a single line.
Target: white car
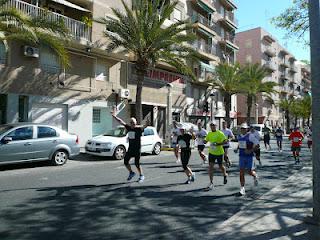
[(115, 143)]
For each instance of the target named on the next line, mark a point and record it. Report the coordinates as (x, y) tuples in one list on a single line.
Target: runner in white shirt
[(201, 134), (256, 151), (229, 135), (175, 132)]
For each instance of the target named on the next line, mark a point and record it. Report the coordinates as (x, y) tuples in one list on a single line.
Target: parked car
[(259, 128), (27, 142), (115, 143)]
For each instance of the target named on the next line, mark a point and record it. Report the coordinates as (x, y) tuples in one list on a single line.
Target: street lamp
[(169, 87)]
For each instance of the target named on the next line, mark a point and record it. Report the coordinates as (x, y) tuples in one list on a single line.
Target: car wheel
[(60, 157), (119, 152), (156, 149)]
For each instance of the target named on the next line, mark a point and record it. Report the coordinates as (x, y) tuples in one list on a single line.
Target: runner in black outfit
[(134, 136), (183, 142)]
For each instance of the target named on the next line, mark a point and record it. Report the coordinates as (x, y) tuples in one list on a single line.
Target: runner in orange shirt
[(296, 138)]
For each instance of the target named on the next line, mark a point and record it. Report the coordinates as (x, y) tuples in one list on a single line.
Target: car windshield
[(118, 132), (4, 129), (257, 128)]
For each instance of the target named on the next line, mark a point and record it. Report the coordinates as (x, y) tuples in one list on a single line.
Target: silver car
[(34, 142)]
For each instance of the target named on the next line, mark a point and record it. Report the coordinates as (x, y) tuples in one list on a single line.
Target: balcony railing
[(270, 51), (198, 18), (77, 29), (285, 63), (270, 65), (230, 17), (198, 45)]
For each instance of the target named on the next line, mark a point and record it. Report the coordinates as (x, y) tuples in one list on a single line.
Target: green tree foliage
[(140, 32)]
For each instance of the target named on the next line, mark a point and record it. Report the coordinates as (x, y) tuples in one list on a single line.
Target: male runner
[(134, 135), (175, 132), (247, 143), (217, 139), (279, 137), (266, 137), (229, 135), (256, 150), (296, 138), (200, 136)]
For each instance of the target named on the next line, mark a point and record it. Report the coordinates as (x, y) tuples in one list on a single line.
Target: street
[(89, 198)]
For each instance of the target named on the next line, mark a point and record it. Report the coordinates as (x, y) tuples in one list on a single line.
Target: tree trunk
[(138, 107), (288, 120), (249, 107), (227, 107), (303, 121), (295, 121)]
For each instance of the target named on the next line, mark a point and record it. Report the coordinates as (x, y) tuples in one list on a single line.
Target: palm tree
[(285, 105), (306, 107), (140, 32), (252, 84), (226, 80), (34, 30)]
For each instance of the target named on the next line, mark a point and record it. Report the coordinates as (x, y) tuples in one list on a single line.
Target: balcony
[(229, 4), (284, 63), (293, 68), (77, 29), (270, 66), (205, 5), (227, 41), (270, 51), (204, 25), (207, 52), (229, 20)]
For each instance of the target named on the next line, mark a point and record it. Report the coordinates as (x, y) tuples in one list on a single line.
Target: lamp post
[(212, 96), (169, 112)]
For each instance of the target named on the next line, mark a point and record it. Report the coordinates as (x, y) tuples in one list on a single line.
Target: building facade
[(259, 46), (35, 88)]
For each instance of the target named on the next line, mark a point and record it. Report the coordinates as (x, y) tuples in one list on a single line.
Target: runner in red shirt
[(296, 138)]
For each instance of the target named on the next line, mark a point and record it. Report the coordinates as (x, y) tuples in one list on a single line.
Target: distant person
[(266, 137), (247, 143), (296, 138), (309, 138), (201, 134), (256, 150), (229, 135), (279, 137), (183, 143), (134, 151), (217, 139), (175, 132)]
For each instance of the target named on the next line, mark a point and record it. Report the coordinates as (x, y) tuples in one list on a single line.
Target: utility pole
[(314, 22)]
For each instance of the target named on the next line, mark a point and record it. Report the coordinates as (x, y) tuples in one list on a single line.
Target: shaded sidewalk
[(278, 214)]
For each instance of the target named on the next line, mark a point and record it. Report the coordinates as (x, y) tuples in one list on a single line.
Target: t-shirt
[(255, 134), (296, 139), (266, 131), (134, 136), (228, 133), (175, 132), (279, 133), (247, 142), (201, 134), (213, 138), (184, 141)]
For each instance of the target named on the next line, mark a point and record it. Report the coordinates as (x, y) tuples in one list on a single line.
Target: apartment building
[(259, 46), (34, 87)]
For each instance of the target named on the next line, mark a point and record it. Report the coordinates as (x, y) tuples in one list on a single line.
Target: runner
[(309, 137), (134, 135), (184, 145), (296, 138), (279, 137), (217, 139), (201, 134), (175, 132), (229, 135), (266, 137), (256, 150), (247, 144)]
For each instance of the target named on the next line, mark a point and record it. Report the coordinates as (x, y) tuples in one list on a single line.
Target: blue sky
[(257, 13)]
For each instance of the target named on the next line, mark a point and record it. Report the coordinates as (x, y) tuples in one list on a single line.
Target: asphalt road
[(89, 198)]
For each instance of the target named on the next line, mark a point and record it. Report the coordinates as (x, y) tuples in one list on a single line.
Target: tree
[(33, 30), (253, 84), (285, 105), (306, 107), (295, 19), (226, 80), (140, 32)]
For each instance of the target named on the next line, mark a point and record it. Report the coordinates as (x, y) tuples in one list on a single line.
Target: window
[(49, 61), (23, 133), (148, 132), (102, 71), (23, 108), (3, 53), (177, 15), (248, 59), (96, 115), (46, 132)]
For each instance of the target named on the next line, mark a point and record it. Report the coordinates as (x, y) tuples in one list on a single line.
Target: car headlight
[(107, 145)]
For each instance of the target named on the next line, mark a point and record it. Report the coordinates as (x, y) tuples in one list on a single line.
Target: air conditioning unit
[(124, 93), (31, 51)]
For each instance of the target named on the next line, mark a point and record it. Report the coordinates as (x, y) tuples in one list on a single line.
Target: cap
[(244, 125), (213, 123)]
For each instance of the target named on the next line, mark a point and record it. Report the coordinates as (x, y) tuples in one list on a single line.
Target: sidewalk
[(278, 214)]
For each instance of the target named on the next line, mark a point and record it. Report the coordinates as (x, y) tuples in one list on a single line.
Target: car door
[(21, 146), (147, 140), (45, 141)]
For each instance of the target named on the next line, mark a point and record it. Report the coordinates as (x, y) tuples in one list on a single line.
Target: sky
[(258, 13)]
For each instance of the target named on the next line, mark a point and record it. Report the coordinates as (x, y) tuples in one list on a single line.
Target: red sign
[(165, 76)]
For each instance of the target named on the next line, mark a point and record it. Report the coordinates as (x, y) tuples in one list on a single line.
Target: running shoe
[(141, 179), (255, 179), (188, 181), (225, 180), (131, 175), (193, 177), (210, 187), (178, 161), (242, 191)]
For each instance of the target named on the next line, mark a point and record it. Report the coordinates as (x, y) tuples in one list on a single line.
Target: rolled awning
[(204, 7), (71, 5), (208, 67)]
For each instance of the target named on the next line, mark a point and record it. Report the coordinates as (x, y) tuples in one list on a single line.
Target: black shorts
[(257, 152), (266, 139), (201, 147), (295, 149), (132, 153), (213, 158), (185, 156)]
